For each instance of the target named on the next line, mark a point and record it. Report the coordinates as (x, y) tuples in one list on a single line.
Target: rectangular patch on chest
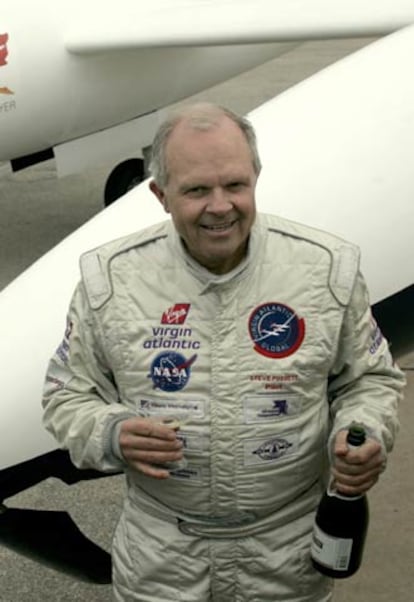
[(270, 449), (193, 475), (181, 410), (269, 408)]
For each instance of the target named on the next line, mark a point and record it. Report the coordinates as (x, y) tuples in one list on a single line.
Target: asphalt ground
[(37, 211)]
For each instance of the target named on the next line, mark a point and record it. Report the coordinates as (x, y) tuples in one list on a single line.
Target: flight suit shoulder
[(344, 255), (95, 264)]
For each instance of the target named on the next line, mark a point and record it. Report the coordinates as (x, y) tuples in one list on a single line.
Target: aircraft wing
[(225, 22)]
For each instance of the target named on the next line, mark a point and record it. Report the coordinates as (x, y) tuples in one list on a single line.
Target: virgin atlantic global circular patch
[(276, 330)]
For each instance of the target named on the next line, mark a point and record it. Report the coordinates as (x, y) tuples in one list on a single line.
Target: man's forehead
[(194, 143), (197, 165), (228, 173)]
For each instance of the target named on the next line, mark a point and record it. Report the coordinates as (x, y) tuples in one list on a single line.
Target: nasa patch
[(171, 371), (276, 330)]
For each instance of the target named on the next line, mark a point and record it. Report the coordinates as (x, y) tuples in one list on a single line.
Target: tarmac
[(37, 211)]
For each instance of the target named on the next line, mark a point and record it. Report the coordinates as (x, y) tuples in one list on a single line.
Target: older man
[(217, 358)]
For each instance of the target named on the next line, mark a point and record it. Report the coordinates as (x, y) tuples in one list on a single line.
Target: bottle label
[(331, 552)]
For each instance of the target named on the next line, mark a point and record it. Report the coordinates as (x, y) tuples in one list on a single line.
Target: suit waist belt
[(239, 524)]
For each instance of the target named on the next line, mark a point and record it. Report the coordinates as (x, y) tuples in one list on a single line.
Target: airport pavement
[(37, 211)]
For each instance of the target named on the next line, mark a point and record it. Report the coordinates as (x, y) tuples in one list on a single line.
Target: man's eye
[(197, 191), (234, 186)]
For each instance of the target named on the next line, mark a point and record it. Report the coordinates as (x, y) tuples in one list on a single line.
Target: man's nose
[(219, 201)]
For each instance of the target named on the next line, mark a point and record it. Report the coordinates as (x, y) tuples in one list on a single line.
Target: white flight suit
[(262, 366)]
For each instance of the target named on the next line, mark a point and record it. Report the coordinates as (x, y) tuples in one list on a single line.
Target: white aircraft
[(84, 85), (336, 152)]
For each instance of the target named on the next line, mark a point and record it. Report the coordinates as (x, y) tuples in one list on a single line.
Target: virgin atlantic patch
[(276, 330)]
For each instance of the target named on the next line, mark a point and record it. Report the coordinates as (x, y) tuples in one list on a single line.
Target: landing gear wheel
[(124, 177)]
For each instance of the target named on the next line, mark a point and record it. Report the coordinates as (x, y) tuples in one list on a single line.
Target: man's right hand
[(146, 445)]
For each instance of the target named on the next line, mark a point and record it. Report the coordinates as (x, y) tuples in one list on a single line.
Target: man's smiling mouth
[(218, 227)]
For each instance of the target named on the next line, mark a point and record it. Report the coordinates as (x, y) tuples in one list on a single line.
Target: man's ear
[(160, 194)]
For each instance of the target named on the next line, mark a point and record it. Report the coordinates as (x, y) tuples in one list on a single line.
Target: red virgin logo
[(177, 314)]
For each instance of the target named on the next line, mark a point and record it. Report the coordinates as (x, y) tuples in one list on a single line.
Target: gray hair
[(200, 116)]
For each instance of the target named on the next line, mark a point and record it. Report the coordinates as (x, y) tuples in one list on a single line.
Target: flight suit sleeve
[(365, 385), (81, 405)]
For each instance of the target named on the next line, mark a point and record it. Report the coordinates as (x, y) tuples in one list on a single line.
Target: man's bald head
[(200, 116)]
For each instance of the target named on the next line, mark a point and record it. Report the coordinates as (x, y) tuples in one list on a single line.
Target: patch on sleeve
[(63, 350), (56, 379), (376, 337)]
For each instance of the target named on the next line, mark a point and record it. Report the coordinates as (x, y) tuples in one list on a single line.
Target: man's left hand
[(356, 470)]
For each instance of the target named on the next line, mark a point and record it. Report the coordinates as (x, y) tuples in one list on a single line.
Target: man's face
[(3, 49), (210, 192)]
